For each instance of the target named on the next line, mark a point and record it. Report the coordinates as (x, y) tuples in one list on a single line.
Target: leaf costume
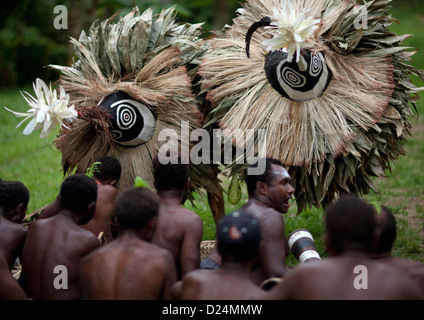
[(327, 81)]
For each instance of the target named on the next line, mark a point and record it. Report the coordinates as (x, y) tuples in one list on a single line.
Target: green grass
[(29, 159), (37, 164)]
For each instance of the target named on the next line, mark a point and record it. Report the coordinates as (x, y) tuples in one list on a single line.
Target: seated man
[(238, 239), (179, 230), (349, 272), (130, 267), (14, 198), (107, 176), (55, 246), (268, 197), (386, 230)]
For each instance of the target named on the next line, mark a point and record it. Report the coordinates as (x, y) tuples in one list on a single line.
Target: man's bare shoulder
[(61, 226), (16, 230), (192, 216), (181, 215), (195, 278), (4, 223), (261, 212), (106, 190)]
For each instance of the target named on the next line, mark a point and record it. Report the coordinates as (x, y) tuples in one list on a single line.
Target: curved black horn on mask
[(266, 21)]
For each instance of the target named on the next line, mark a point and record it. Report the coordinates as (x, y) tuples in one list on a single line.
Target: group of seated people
[(72, 250)]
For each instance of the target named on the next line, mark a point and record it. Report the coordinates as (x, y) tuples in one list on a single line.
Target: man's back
[(346, 278), (51, 243), (180, 231), (127, 268), (219, 284)]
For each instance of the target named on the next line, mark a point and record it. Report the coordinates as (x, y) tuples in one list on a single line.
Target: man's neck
[(352, 253), (382, 255), (65, 213), (131, 235), (259, 201), (170, 198), (236, 267)]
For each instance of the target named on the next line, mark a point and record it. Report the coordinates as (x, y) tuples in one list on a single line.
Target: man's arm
[(170, 277), (52, 209), (190, 250), (177, 290), (9, 287), (272, 249), (102, 217), (105, 202)]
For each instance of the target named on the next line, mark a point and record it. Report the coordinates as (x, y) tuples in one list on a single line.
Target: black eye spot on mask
[(299, 81), (132, 122)]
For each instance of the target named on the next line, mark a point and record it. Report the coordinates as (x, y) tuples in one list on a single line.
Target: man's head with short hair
[(266, 177), (77, 193), (171, 176), (109, 170), (238, 236), (273, 187), (14, 199), (386, 224), (350, 225), (135, 208)]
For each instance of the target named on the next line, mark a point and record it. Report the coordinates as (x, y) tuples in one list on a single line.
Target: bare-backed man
[(107, 175), (130, 267), (55, 246), (179, 230), (349, 272), (269, 193), (14, 198), (238, 238)]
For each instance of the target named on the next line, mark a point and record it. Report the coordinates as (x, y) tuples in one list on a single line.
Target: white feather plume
[(291, 28), (47, 110)]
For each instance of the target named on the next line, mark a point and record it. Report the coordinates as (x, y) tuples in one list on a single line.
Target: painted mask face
[(298, 81), (132, 122)]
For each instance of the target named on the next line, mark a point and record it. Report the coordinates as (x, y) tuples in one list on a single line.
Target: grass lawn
[(37, 163)]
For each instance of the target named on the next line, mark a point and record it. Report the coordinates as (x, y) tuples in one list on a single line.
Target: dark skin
[(12, 233), (266, 204), (129, 268), (229, 282), (387, 257), (333, 279), (58, 240), (179, 230), (417, 274), (9, 287), (101, 221)]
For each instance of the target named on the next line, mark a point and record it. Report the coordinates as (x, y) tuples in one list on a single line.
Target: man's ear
[(17, 214), (91, 208), (150, 229), (188, 183), (261, 188)]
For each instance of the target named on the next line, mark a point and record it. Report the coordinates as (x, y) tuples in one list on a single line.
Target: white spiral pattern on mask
[(126, 116), (316, 65), (293, 78)]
